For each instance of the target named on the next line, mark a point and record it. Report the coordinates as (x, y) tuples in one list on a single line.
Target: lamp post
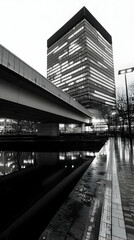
[(125, 71)]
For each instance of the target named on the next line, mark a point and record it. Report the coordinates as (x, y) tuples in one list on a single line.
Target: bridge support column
[(83, 127), (47, 129)]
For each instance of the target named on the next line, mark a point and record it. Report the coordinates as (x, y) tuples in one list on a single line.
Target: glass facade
[(80, 62)]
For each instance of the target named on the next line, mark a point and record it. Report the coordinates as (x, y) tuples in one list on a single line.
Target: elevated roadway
[(26, 94)]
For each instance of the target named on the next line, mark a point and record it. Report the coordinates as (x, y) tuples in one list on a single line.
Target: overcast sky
[(25, 26)]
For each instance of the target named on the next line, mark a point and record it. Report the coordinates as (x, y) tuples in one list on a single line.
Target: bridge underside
[(17, 111), (24, 100)]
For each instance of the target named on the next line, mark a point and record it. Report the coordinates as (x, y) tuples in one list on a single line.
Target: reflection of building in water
[(8, 162), (75, 158), (75, 154), (26, 159), (15, 161)]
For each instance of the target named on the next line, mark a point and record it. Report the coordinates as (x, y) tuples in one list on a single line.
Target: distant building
[(80, 61), (7, 125)]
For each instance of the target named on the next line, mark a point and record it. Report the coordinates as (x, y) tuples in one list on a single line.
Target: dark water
[(13, 161), (26, 177)]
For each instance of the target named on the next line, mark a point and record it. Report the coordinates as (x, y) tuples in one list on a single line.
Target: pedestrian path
[(101, 207), (119, 224), (125, 168), (112, 225), (106, 214)]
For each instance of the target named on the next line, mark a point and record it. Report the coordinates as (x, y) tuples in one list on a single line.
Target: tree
[(122, 105), (131, 89)]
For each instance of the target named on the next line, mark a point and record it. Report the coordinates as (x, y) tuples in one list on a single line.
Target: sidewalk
[(99, 207), (124, 156), (112, 225)]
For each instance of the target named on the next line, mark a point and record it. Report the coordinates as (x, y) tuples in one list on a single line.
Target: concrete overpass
[(26, 94)]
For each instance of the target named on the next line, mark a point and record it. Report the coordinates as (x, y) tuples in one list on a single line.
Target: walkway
[(124, 156), (101, 206)]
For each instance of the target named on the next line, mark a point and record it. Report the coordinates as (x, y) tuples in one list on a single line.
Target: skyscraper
[(80, 61)]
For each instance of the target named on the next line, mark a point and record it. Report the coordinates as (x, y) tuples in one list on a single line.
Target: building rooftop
[(79, 16)]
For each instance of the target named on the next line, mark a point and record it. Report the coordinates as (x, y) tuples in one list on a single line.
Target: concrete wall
[(47, 129)]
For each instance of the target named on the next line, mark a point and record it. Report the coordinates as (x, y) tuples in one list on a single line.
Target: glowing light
[(73, 157), (62, 157), (128, 70)]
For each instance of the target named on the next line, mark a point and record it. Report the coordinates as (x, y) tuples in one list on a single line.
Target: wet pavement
[(79, 216), (101, 206), (125, 170)]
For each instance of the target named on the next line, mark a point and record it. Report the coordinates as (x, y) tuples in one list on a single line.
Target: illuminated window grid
[(83, 55)]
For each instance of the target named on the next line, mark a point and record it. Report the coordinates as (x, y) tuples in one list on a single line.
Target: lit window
[(52, 51), (113, 104), (104, 94), (75, 50), (101, 97), (98, 50), (55, 82), (71, 65), (75, 32), (63, 55), (59, 48), (58, 85), (101, 75), (101, 83), (66, 78), (81, 87), (80, 80), (70, 84), (77, 70), (102, 64), (65, 89)]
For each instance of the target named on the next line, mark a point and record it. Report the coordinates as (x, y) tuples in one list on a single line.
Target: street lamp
[(124, 71)]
